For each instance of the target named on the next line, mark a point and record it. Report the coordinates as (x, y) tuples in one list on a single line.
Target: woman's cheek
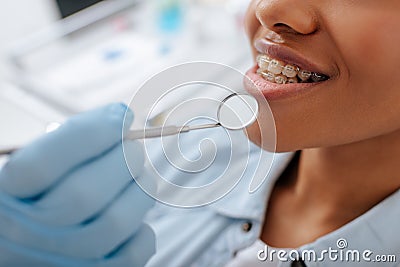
[(369, 48)]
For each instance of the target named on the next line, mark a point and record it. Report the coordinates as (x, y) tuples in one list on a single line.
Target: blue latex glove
[(68, 199)]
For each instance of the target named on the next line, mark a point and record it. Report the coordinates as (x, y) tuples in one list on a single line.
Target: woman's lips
[(255, 85), (280, 74)]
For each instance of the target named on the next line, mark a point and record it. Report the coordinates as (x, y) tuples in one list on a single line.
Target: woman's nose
[(287, 16)]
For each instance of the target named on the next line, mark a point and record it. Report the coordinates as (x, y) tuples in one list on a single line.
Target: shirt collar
[(373, 231), (242, 204)]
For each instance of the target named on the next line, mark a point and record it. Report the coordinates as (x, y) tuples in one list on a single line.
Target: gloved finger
[(124, 217), (91, 241), (135, 252), (15, 255), (33, 169), (89, 189)]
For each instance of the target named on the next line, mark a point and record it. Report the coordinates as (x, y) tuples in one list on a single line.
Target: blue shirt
[(211, 235)]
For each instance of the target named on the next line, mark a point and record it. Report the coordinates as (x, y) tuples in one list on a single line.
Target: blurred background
[(61, 57)]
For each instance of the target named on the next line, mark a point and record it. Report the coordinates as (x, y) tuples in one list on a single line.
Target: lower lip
[(273, 91)]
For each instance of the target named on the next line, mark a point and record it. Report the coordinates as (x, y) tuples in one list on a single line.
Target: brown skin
[(348, 130)]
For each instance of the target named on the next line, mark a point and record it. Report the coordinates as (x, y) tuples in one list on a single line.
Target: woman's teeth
[(279, 72)]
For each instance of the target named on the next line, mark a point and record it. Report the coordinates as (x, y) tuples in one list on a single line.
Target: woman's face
[(352, 49)]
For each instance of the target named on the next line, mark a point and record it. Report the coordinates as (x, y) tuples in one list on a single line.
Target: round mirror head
[(237, 111)]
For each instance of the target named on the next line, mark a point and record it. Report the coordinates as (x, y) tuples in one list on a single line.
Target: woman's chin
[(268, 142), (254, 135)]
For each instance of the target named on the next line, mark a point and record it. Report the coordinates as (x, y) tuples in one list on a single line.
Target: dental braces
[(276, 71)]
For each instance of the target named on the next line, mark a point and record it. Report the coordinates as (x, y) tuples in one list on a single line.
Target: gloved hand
[(68, 199)]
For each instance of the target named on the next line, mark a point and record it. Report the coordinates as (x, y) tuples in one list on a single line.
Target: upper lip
[(286, 54)]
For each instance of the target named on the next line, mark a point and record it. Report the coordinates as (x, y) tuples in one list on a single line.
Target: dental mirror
[(236, 112)]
